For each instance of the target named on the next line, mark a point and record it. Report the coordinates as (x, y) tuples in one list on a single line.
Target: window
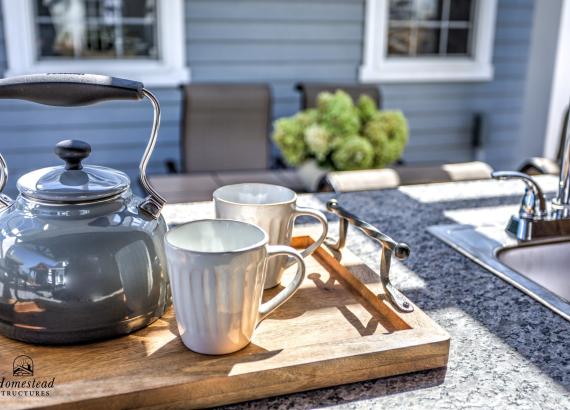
[(428, 40), (113, 29), (429, 28), (135, 39)]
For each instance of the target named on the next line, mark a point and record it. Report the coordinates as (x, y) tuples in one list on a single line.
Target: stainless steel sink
[(541, 269)]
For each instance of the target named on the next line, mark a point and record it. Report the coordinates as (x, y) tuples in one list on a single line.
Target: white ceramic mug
[(217, 269), (273, 208)]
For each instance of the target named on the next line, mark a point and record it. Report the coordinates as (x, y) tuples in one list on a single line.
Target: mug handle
[(319, 216), (273, 250)]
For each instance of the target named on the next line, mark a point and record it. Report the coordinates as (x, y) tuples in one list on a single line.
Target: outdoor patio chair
[(541, 165), (223, 140), (225, 127)]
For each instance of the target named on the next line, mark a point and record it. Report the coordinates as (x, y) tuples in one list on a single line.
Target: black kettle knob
[(72, 152)]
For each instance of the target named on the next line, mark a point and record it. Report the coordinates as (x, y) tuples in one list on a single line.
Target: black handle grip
[(69, 90)]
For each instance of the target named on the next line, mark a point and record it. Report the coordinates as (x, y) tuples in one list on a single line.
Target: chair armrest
[(349, 181), (372, 179), (540, 166)]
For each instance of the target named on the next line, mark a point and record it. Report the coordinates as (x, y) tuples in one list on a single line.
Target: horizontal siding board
[(453, 89), (514, 17), (445, 139), (40, 139), (239, 53), (274, 31), (510, 68), (272, 72), (506, 6), (503, 33), (455, 105), (511, 51), (274, 11), (438, 155), (106, 153), (72, 119)]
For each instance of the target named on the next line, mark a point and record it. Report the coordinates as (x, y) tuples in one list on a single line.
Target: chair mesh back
[(225, 127), (310, 92)]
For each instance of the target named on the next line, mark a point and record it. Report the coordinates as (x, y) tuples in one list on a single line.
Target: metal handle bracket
[(388, 247)]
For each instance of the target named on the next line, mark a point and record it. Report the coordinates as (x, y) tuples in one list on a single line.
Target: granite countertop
[(506, 349)]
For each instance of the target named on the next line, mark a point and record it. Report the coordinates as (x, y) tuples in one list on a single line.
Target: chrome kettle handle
[(5, 200), (388, 247), (72, 90), (154, 202)]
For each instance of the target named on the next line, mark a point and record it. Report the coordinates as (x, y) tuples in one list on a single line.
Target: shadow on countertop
[(492, 324)]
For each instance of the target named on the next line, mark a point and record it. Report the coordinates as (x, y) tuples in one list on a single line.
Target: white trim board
[(169, 70), (376, 67), (560, 88)]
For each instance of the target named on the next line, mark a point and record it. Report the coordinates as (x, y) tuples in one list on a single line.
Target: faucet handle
[(533, 205)]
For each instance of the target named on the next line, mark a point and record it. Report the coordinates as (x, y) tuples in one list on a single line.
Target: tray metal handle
[(388, 247)]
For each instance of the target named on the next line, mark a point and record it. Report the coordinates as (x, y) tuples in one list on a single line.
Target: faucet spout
[(533, 203)]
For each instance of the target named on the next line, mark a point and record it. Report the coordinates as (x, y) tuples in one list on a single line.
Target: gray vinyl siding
[(283, 42), (277, 41)]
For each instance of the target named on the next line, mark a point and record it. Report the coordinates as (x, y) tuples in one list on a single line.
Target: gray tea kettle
[(81, 257)]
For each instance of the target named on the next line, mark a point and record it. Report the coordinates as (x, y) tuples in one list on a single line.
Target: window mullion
[(472, 22), (77, 34), (414, 31), (443, 35), (119, 40)]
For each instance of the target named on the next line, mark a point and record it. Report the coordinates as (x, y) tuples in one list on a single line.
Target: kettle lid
[(73, 182)]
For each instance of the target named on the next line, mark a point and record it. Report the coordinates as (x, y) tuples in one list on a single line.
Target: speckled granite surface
[(506, 350)]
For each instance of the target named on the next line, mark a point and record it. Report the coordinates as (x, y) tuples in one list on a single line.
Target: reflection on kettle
[(35, 271)]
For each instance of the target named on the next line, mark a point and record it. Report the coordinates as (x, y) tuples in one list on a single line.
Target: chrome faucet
[(537, 220)]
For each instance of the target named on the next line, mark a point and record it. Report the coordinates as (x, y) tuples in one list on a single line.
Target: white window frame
[(377, 67), (169, 70)]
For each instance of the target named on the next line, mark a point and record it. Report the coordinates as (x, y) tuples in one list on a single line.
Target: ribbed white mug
[(274, 209), (217, 269)]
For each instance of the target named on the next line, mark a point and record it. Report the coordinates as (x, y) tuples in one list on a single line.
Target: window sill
[(400, 72), (151, 74)]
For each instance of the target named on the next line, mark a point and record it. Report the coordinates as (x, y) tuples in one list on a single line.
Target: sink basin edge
[(483, 249)]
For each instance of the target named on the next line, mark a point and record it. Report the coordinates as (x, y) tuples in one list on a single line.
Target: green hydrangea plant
[(341, 135), (337, 113), (388, 133), (353, 153)]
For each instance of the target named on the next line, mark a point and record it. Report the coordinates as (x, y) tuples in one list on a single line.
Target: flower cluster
[(342, 135)]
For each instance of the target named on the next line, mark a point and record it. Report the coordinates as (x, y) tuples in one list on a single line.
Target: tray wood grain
[(336, 329)]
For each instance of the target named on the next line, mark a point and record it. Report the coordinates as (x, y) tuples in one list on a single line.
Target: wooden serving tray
[(334, 330)]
